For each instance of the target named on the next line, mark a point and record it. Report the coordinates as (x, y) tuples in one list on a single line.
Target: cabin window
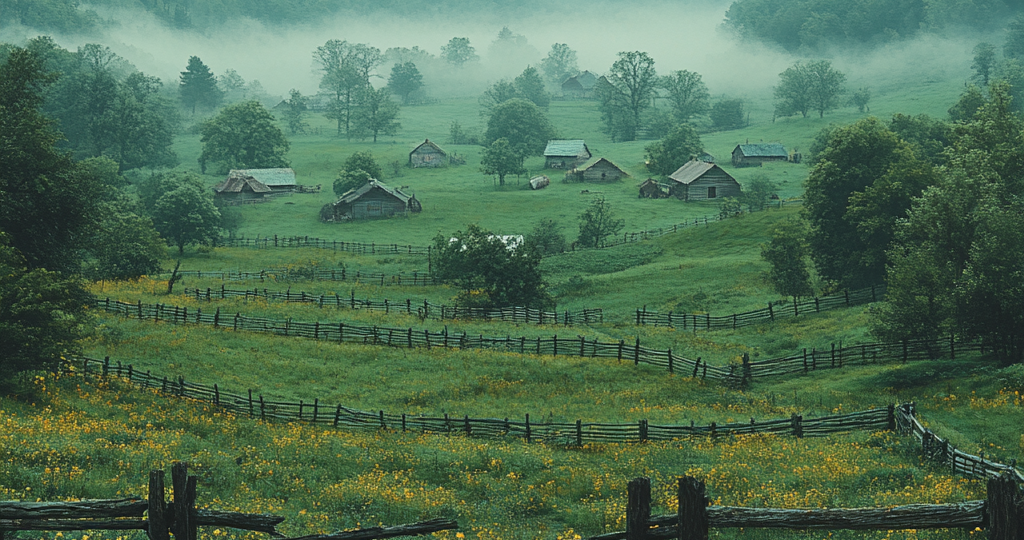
[(712, 192)]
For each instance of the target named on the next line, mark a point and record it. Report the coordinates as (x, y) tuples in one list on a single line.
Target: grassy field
[(68, 437)]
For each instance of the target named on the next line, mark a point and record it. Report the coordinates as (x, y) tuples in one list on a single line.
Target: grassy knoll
[(322, 480)]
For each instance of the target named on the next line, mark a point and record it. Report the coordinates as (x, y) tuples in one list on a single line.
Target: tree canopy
[(559, 64), (376, 113), (523, 124), (405, 79), (808, 86), (501, 159), (625, 93), (198, 86), (597, 223), (687, 93), (492, 271), (673, 151), (243, 136), (345, 71), (458, 51), (184, 214)]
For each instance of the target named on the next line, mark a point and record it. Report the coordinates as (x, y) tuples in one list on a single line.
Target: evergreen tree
[(198, 86)]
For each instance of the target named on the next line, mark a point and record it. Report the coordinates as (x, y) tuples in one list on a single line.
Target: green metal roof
[(571, 148), (763, 150)]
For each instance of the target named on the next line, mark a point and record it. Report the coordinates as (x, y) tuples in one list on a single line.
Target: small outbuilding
[(539, 182), (278, 180), (599, 170), (565, 154), (240, 189), (579, 86), (651, 189), (699, 180), (373, 200), (753, 155), (428, 154)]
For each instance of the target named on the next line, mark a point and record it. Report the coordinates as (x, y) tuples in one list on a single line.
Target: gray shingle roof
[(693, 170), (763, 150), (237, 183), (565, 148), (270, 177), (354, 194)]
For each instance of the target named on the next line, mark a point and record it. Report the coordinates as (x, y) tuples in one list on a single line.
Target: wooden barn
[(599, 170), (373, 200), (278, 180), (698, 181), (428, 154), (241, 188), (579, 86), (651, 189), (565, 154), (753, 155)]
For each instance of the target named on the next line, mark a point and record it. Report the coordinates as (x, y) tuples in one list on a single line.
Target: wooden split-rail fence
[(834, 357), (1001, 514), (424, 310), (900, 418), (372, 248), (180, 518), (705, 321), (414, 279)]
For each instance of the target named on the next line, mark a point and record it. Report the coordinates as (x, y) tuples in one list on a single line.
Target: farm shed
[(239, 188), (539, 182), (698, 180), (373, 200), (579, 86), (651, 189), (278, 180), (428, 154), (599, 170), (565, 154), (753, 155)]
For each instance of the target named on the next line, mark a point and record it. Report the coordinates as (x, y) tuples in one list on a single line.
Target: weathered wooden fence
[(179, 518), (254, 405), (159, 519), (424, 310), (321, 243), (806, 361), (705, 321), (412, 279), (1001, 514)]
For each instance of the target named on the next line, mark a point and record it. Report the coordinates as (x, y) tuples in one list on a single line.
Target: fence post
[(1005, 518), (670, 367), (157, 521), (796, 421), (642, 427), (185, 526), (638, 508), (579, 432), (771, 311), (527, 427), (890, 417), (693, 513), (636, 353), (747, 375)]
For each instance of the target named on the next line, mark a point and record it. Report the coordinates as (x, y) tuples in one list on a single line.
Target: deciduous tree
[(490, 270), (806, 87), (687, 93), (294, 107), (984, 62), (522, 123), (405, 79), (502, 159), (185, 214), (458, 51), (597, 223), (559, 64), (243, 136), (530, 87), (376, 113), (626, 92), (728, 114), (786, 254), (680, 145), (345, 69)]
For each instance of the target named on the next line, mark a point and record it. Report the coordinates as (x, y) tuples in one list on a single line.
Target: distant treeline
[(816, 24)]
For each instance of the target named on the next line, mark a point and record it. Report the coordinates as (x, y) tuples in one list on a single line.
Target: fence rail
[(254, 405), (321, 243), (179, 518), (705, 321), (739, 374), (424, 310), (339, 274), (1001, 514), (901, 418)]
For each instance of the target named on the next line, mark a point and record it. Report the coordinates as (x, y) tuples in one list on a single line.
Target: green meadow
[(110, 435)]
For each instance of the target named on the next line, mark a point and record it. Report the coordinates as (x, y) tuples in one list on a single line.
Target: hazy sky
[(683, 34)]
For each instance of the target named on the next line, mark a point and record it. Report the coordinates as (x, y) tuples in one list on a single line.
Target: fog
[(678, 35)]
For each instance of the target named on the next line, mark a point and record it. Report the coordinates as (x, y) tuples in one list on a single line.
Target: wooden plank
[(413, 529), (73, 524), (157, 526), (968, 514), (92, 508)]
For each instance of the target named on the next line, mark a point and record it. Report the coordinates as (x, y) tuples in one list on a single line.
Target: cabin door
[(712, 192)]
